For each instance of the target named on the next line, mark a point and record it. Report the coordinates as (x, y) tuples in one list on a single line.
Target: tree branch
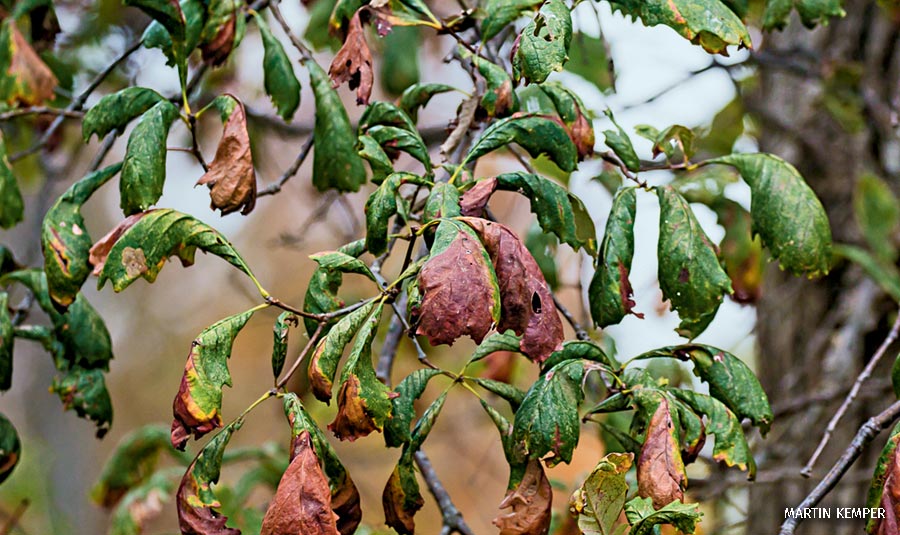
[(289, 173), (453, 519)]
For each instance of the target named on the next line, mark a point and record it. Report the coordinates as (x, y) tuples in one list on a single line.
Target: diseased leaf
[(131, 463), (321, 294), (418, 95), (644, 519), (324, 361), (502, 13), (620, 144), (12, 207), (660, 470), (198, 405), (195, 500), (460, 290), (812, 12), (543, 45), (282, 328), (336, 165), (537, 134), (411, 388), (600, 499), (385, 114), (572, 112), (442, 202), (884, 491), (231, 178), (141, 504), (530, 502), (278, 75), (389, 13), (26, 80), (140, 245), (508, 392), (741, 251), (6, 343), (526, 304), (338, 261), (379, 162), (610, 294), (690, 275), (499, 98), (10, 448), (786, 213), (65, 240), (223, 31), (353, 62), (113, 112), (381, 205), (393, 139), (877, 212), (401, 498), (85, 392), (176, 47), (144, 168)]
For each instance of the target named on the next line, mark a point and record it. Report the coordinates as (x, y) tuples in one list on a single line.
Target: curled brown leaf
[(660, 469), (35, 82), (231, 178), (216, 50), (353, 62), (476, 198), (352, 421), (401, 500), (189, 417), (530, 504)]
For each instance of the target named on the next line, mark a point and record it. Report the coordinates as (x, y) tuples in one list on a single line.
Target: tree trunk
[(815, 336)]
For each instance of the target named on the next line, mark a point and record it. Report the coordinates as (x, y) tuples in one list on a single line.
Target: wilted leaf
[(336, 165), (475, 199), (877, 212), (195, 500), (600, 500), (6, 343), (141, 504), (526, 304), (418, 95), (10, 448), (572, 112), (499, 98), (353, 62), (144, 168), (282, 327), (140, 245), (324, 361), (389, 13), (543, 45), (530, 502), (225, 27), (411, 388), (660, 470), (537, 134), (786, 213), (65, 241), (176, 46), (741, 251), (231, 178), (690, 275), (321, 294), (12, 207), (198, 405), (166, 12), (85, 392), (884, 491), (812, 12), (393, 139), (610, 293), (442, 202), (731, 445), (113, 112), (278, 75), (385, 114), (131, 463), (460, 292), (401, 498), (620, 143), (644, 519), (25, 80)]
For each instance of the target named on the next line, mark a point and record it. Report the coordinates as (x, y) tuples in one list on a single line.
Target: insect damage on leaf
[(530, 504), (231, 178), (660, 470), (353, 62)]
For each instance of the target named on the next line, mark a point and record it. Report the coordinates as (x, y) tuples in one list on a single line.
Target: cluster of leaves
[(476, 276)]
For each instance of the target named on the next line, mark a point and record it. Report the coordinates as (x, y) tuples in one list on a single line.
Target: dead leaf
[(401, 500), (457, 292), (352, 421), (660, 470), (530, 504), (188, 417), (345, 503), (353, 62), (473, 201), (231, 178), (100, 250), (526, 304), (35, 81), (302, 502), (582, 134)]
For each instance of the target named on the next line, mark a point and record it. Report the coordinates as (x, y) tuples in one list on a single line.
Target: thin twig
[(580, 333), (863, 437), (104, 149), (851, 396), (195, 145), (41, 110), (274, 188), (304, 52), (311, 343), (391, 344), (327, 316), (15, 517), (453, 519)]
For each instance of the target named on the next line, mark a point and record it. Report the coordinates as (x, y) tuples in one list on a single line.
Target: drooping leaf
[(690, 275), (177, 46), (877, 212), (324, 361), (442, 202), (131, 463), (401, 498), (391, 13), (530, 501), (393, 139), (223, 31), (353, 62), (660, 470), (336, 165), (198, 405), (418, 95), (644, 519), (195, 500), (543, 45), (140, 245), (574, 116), (460, 290), (12, 207), (231, 178), (6, 343), (741, 251), (537, 134), (10, 448), (499, 98), (278, 75), (26, 80), (65, 241), (113, 112), (526, 303), (786, 213), (884, 491), (610, 293), (321, 294), (812, 12), (502, 13), (282, 328), (385, 114), (411, 388), (166, 12), (338, 261), (85, 392), (370, 151), (600, 499), (620, 144), (381, 205), (144, 168), (511, 394)]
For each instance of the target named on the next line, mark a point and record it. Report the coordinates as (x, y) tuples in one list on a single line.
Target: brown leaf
[(526, 304), (582, 134), (100, 250), (231, 178), (188, 416), (530, 504), (320, 384), (457, 292), (345, 503), (353, 62), (216, 50), (34, 80), (660, 470), (196, 516), (500, 366), (474, 200), (400, 502), (352, 421), (302, 502)]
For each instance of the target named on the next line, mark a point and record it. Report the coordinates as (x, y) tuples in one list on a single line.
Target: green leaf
[(547, 421), (558, 211), (278, 74), (588, 58), (317, 28), (400, 67), (543, 45), (610, 293), (321, 294), (371, 151), (710, 24), (812, 12), (505, 341), (442, 202), (196, 501), (600, 499), (411, 388), (386, 114), (878, 215), (85, 391), (140, 504), (786, 213), (885, 468), (65, 241), (198, 404), (178, 49), (166, 12), (6, 344), (690, 274), (113, 112), (426, 422), (580, 350), (418, 95), (644, 518), (508, 392), (132, 462), (338, 261), (502, 13), (282, 328), (392, 139), (12, 207), (10, 448), (381, 205), (537, 134), (620, 144), (144, 168), (884, 274), (499, 98), (147, 239), (324, 361), (336, 165)]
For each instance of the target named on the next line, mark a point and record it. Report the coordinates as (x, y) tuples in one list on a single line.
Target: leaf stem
[(311, 343)]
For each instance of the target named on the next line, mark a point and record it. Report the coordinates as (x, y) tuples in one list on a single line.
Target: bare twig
[(580, 333), (863, 437), (311, 343), (104, 149), (453, 519), (304, 52), (851, 396), (275, 187), (41, 110), (275, 302), (195, 146)]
